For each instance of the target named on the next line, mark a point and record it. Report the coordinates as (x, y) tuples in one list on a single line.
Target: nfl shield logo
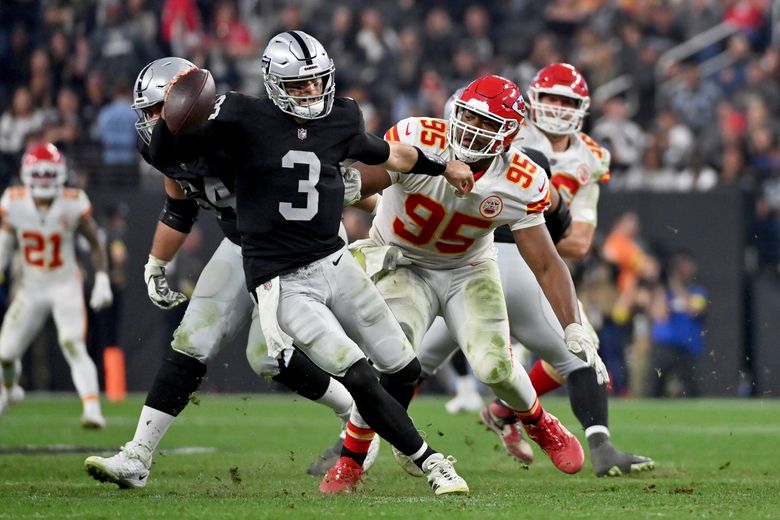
[(302, 134)]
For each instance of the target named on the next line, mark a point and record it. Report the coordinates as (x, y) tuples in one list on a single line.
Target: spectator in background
[(693, 99), (620, 135), (622, 249), (678, 331), (63, 125), (116, 128), (115, 47), (16, 123), (180, 27)]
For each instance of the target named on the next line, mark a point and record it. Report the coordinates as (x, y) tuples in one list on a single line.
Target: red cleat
[(509, 433), (343, 477), (558, 443)]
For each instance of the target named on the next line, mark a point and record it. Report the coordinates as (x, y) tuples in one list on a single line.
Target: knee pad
[(178, 377), (491, 369), (360, 379)]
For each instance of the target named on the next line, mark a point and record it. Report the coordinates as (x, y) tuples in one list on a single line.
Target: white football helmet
[(292, 57), (44, 171), (149, 90), (560, 79)]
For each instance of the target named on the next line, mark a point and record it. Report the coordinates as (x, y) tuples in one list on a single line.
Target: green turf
[(716, 459)]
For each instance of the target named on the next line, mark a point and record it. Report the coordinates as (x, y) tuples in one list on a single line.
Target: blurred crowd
[(675, 119)]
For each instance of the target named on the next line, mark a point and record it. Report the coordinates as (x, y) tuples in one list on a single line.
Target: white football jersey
[(46, 237), (576, 172), (437, 229)]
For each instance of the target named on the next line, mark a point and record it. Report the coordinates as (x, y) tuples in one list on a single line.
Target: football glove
[(157, 286), (101, 296), (352, 185), (579, 343)]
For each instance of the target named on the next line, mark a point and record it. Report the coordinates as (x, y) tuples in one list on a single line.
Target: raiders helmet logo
[(491, 206)]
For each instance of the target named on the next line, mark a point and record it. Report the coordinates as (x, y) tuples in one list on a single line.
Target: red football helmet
[(496, 99), (44, 171), (564, 80)]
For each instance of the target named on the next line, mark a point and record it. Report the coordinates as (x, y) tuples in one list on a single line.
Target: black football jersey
[(288, 185), (209, 181)]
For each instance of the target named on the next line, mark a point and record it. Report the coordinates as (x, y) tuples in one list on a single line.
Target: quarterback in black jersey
[(287, 149), (205, 183)]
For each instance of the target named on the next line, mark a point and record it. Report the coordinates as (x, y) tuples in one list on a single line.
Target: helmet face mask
[(564, 81), (485, 119), (149, 91), (293, 64), (44, 171)]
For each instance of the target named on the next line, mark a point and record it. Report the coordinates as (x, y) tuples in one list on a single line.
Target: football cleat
[(510, 435), (327, 459), (127, 469), (93, 421), (464, 403), (16, 394), (342, 478), (331, 454), (563, 448), (442, 476), (407, 464), (609, 461)]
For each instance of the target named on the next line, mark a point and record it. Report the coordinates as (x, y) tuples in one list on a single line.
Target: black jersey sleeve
[(363, 146), (167, 149)]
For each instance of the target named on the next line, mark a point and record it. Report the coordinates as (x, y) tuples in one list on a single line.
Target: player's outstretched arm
[(554, 278), (176, 220), (410, 159), (7, 246), (101, 296)]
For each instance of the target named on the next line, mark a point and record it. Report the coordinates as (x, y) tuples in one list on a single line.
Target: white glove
[(579, 343), (101, 296), (157, 286), (352, 185)]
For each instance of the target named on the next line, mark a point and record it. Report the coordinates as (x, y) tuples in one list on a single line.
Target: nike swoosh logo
[(408, 130), (336, 261), (541, 188)]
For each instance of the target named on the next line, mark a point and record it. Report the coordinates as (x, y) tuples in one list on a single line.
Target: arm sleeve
[(369, 149)]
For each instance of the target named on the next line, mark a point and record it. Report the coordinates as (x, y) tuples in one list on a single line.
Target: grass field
[(716, 459)]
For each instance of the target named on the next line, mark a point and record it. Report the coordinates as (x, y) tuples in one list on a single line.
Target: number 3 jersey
[(46, 236), (437, 229)]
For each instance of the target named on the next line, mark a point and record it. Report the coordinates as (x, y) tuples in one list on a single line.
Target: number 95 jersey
[(46, 237), (437, 229)]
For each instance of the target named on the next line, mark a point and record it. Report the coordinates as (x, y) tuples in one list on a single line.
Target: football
[(189, 101)]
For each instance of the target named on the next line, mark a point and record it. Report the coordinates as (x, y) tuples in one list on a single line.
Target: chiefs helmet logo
[(491, 206)]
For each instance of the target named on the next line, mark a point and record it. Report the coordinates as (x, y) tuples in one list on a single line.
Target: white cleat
[(373, 453), (464, 403), (93, 421), (442, 476), (407, 464), (127, 469), (16, 394)]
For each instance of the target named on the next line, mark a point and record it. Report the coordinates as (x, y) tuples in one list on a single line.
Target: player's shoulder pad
[(539, 158), (232, 106), (74, 194), (601, 157), (430, 134), (529, 177), (14, 193)]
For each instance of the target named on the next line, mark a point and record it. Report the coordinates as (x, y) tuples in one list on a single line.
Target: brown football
[(190, 101)]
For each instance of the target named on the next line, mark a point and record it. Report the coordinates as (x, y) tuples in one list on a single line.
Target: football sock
[(503, 412), (422, 455), (402, 384), (588, 399), (356, 442), (378, 408), (532, 415), (9, 373), (459, 363), (152, 425), (596, 435), (82, 371), (177, 379), (91, 404), (544, 378)]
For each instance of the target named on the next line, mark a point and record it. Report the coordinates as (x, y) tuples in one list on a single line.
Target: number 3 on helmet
[(560, 79), (495, 99), (43, 171)]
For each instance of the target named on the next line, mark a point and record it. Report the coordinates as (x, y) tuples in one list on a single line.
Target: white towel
[(267, 304)]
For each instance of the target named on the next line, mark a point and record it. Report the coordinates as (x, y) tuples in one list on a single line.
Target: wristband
[(428, 164)]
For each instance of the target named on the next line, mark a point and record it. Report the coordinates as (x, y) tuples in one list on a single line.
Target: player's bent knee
[(491, 369)]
